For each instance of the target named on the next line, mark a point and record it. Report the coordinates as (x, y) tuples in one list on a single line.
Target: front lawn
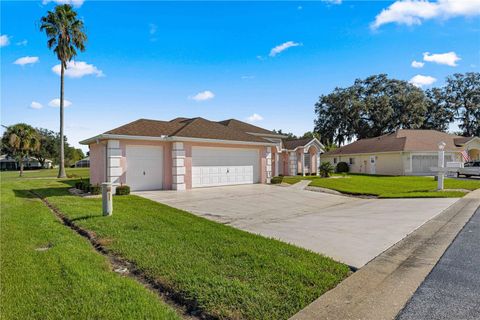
[(226, 272), (47, 271), (388, 186)]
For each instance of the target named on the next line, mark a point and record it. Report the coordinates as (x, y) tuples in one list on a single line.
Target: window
[(351, 161), (335, 160)]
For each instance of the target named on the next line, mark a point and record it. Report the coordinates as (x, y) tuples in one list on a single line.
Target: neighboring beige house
[(186, 153), (404, 152)]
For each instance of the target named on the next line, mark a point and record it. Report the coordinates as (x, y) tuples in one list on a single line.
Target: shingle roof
[(245, 127), (403, 140), (292, 144), (185, 127)]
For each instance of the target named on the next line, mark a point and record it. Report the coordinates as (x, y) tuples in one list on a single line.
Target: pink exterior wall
[(98, 168), (188, 158)]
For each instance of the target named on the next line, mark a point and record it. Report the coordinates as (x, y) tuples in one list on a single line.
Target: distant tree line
[(378, 105), (21, 141)]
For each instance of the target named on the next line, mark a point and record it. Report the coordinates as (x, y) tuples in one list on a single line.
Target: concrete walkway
[(347, 229), (452, 289), (382, 288)]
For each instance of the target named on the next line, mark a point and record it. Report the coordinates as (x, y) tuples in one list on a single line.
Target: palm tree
[(19, 141), (65, 35)]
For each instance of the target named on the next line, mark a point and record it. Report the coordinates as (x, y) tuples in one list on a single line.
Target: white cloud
[(75, 3), (153, 28), (204, 95), (36, 105), (247, 77), (255, 117), (449, 58), (26, 60), (22, 43), (282, 47), (420, 80), (78, 69), (417, 64), (333, 1), (4, 40), (56, 103), (299, 8), (414, 12)]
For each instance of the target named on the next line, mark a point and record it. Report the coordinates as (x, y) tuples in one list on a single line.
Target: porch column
[(114, 170), (276, 163), (268, 158), (293, 163), (178, 166), (303, 163), (318, 163)]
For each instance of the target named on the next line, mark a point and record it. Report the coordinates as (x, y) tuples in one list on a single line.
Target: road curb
[(381, 288)]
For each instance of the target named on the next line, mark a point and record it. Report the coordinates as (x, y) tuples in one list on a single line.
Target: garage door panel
[(224, 166), (144, 167)]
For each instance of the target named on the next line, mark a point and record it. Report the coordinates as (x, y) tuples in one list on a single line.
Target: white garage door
[(224, 166), (421, 164), (144, 167)]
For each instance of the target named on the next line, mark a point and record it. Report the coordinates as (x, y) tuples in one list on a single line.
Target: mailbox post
[(441, 164), (107, 204)]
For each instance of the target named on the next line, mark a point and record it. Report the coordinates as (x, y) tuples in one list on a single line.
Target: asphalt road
[(452, 289)]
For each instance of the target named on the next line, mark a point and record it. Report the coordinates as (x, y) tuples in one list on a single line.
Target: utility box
[(107, 203)]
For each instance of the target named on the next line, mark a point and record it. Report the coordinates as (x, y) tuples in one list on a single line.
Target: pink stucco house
[(187, 153)]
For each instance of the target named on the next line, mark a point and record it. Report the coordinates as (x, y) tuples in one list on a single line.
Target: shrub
[(79, 185), (342, 167), (95, 189), (326, 169), (122, 191), (276, 180), (86, 187)]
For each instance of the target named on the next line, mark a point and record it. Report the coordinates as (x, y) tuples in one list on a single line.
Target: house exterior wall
[(386, 163), (392, 163), (98, 167), (97, 163)]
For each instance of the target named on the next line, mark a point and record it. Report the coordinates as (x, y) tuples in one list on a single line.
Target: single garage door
[(144, 167), (224, 166)]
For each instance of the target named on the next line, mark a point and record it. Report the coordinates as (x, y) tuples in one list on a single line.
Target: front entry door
[(373, 168)]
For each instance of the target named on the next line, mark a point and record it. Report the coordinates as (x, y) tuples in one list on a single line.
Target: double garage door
[(224, 166), (210, 167)]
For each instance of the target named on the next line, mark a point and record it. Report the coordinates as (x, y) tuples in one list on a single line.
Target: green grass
[(389, 186), (227, 272), (69, 280)]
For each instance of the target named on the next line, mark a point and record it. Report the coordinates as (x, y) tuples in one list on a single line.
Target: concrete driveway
[(348, 229)]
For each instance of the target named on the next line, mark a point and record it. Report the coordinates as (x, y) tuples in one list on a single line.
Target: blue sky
[(217, 60)]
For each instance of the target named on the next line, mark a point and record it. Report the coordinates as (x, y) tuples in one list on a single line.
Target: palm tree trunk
[(21, 167), (61, 169)]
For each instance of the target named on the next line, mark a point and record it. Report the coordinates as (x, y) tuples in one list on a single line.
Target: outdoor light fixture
[(441, 145)]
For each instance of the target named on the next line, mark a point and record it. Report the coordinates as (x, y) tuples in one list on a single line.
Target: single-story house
[(29, 163), (186, 153), (83, 163), (404, 152)]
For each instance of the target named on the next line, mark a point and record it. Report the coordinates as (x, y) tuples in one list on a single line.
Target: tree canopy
[(20, 141), (378, 105)]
